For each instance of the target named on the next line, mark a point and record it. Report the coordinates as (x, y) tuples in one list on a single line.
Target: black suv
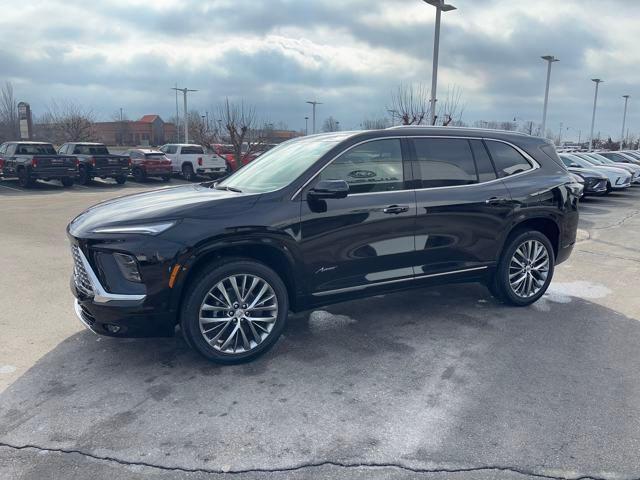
[(323, 219)]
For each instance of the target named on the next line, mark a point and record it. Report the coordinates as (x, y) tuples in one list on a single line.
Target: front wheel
[(120, 179), (188, 173), (166, 178), (83, 176), (24, 178), (235, 311), (67, 182), (525, 269), (139, 175)]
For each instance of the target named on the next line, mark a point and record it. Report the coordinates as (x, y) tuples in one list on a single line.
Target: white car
[(191, 161), (598, 159), (618, 177)]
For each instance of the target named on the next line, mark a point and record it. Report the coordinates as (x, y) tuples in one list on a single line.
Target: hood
[(187, 201), (612, 170)]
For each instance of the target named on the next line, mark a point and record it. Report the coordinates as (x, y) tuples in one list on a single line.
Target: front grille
[(601, 184), (86, 316), (80, 276)]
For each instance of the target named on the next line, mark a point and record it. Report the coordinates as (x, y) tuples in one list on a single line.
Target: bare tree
[(239, 121), (451, 109), (330, 125), (409, 105), (200, 132), (375, 123), (9, 122), (67, 121)]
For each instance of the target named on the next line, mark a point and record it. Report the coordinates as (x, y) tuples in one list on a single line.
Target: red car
[(148, 162), (226, 152)]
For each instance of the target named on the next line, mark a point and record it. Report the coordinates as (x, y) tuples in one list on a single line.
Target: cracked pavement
[(440, 383)]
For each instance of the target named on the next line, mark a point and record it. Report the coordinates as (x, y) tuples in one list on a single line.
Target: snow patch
[(5, 369), (321, 320), (560, 292)]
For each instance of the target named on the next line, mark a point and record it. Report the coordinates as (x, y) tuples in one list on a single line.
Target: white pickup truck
[(191, 161)]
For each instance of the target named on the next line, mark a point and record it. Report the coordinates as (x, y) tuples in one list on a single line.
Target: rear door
[(462, 206), (367, 238)]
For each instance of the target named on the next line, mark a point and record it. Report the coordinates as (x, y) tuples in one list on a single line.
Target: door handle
[(496, 200), (395, 209)]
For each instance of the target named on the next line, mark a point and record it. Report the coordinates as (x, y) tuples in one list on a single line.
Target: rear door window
[(507, 160), (190, 150), (486, 171), (444, 162)]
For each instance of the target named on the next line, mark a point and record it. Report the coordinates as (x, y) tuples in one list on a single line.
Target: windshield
[(280, 166)]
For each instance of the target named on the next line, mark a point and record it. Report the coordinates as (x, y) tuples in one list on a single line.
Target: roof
[(145, 150), (149, 118)]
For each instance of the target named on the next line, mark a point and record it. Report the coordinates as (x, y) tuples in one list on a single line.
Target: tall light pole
[(593, 116), (440, 7), (624, 118), (560, 135), (314, 103), (550, 59), (306, 125), (186, 122)]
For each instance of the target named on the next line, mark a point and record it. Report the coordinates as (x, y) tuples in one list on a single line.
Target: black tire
[(66, 182), (166, 178), (83, 175), (121, 179), (188, 173), (199, 289), (499, 284), (139, 175), (24, 178)]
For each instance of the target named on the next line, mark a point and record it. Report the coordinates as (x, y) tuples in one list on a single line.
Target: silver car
[(597, 159), (619, 178)]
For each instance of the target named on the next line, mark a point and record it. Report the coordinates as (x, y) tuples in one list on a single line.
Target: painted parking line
[(11, 188)]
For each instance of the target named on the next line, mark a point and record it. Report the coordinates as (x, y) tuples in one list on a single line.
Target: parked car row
[(81, 162), (603, 172)]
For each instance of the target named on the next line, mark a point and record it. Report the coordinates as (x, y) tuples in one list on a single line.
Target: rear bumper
[(52, 173), (109, 171), (212, 171), (158, 171)]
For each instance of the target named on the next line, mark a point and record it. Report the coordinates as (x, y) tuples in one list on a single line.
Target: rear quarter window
[(507, 160)]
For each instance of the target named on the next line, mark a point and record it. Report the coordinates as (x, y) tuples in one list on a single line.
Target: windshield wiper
[(226, 187)]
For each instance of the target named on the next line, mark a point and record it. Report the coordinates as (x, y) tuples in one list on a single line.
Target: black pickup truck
[(96, 161), (30, 161)]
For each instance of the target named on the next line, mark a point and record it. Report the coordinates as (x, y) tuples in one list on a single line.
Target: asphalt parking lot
[(433, 383)]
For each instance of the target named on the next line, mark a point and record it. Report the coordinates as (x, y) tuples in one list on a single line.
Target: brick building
[(148, 130)]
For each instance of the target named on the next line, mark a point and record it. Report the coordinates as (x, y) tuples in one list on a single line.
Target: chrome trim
[(387, 282), (76, 307), (534, 164), (100, 294)]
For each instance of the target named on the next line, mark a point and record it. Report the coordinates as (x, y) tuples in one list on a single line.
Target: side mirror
[(575, 165), (329, 189)]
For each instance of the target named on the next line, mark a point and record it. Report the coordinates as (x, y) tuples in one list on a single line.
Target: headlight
[(149, 229), (128, 266)]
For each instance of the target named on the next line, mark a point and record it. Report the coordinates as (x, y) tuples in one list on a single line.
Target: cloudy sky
[(349, 54)]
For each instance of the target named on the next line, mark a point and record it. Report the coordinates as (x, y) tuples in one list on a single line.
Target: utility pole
[(186, 121), (314, 103), (306, 125), (440, 7), (593, 116), (624, 119), (550, 59), (560, 136), (177, 115)]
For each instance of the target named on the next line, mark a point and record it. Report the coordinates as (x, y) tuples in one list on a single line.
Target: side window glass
[(444, 162), (507, 159), (172, 149), (374, 166), (486, 172)]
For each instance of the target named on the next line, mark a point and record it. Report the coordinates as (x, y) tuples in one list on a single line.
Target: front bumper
[(598, 188)]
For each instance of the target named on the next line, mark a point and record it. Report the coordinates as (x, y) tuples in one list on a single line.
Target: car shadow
[(431, 375)]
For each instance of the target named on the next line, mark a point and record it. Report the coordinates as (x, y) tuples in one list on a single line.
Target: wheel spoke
[(211, 308), (234, 285), (529, 268), (262, 291)]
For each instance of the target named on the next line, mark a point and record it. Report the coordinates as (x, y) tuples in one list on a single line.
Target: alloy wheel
[(238, 313), (528, 268)]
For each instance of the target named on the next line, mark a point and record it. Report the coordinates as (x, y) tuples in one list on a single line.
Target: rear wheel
[(67, 181), (166, 178), (234, 312), (188, 173), (24, 178), (139, 175), (525, 269), (83, 176), (121, 179)]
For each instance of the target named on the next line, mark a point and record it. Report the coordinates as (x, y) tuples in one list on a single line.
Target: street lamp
[(186, 122), (593, 116), (314, 103), (337, 126), (306, 125), (624, 118), (550, 59), (440, 7)]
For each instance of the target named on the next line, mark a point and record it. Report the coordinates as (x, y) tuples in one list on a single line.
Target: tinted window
[(191, 151), (374, 166), (484, 166), (154, 156), (507, 159), (444, 162), (3, 148), (91, 150), (35, 149)]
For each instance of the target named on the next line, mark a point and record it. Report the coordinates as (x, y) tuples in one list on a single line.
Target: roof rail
[(478, 129)]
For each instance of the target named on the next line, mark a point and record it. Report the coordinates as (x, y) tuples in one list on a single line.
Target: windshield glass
[(282, 165), (91, 150)]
